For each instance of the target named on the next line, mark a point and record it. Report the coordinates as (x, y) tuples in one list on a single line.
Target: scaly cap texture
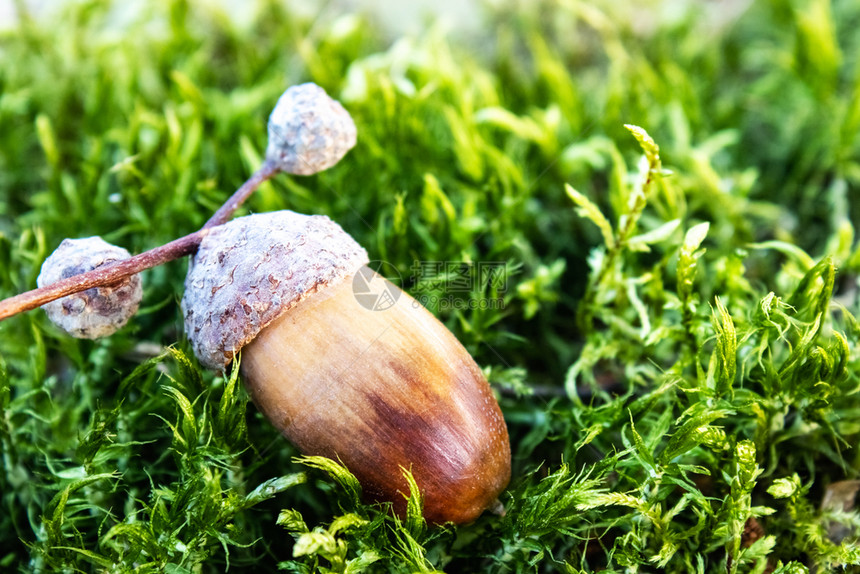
[(96, 312), (251, 270), (308, 131)]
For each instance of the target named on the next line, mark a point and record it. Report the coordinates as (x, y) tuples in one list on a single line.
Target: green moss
[(676, 353)]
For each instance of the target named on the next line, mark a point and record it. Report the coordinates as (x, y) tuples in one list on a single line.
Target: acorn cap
[(308, 131), (250, 271), (96, 312)]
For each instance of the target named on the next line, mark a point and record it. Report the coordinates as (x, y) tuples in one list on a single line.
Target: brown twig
[(104, 275), (264, 173), (116, 271)]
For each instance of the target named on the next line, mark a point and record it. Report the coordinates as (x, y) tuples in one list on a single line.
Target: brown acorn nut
[(381, 387)]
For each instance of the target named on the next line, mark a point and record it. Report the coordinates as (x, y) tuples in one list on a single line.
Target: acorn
[(345, 364)]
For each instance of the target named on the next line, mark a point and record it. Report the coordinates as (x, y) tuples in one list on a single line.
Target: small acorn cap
[(308, 131), (96, 312), (250, 271)]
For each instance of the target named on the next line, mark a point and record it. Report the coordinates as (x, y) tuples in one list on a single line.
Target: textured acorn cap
[(248, 272), (308, 131), (96, 312)]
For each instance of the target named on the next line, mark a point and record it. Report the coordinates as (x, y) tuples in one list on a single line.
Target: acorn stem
[(263, 174), (116, 271)]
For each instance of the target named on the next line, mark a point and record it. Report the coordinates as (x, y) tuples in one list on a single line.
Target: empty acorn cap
[(308, 131), (248, 272), (96, 312)]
